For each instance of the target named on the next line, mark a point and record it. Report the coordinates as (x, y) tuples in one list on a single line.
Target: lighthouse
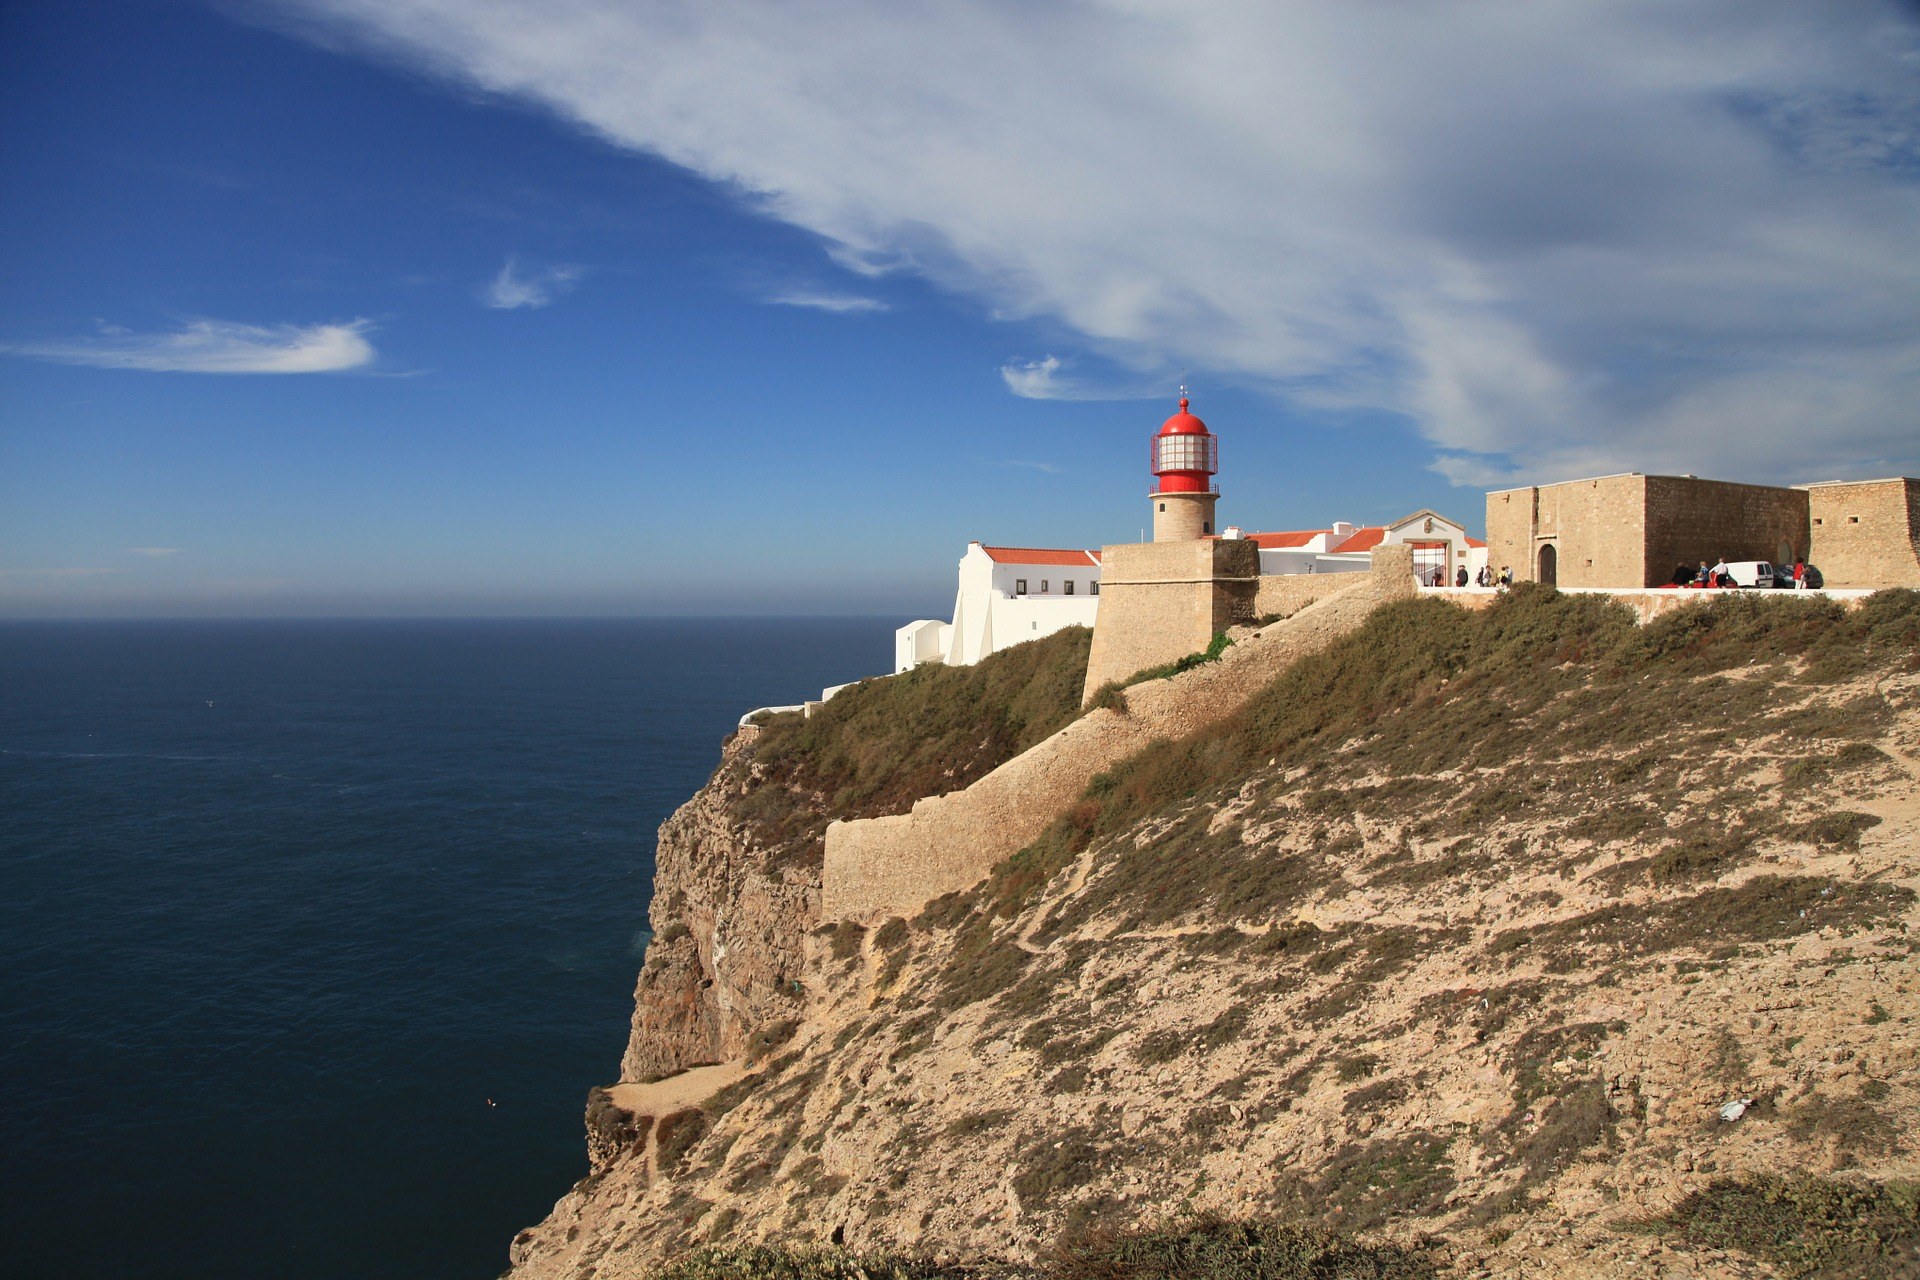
[(1184, 458)]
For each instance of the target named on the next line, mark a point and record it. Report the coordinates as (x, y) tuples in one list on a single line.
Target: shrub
[(1216, 1248), (1810, 1228)]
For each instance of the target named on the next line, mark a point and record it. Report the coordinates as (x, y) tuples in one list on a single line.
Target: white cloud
[(1047, 467), (1051, 379), (516, 286), (215, 346), (1580, 234), (153, 551), (842, 303)]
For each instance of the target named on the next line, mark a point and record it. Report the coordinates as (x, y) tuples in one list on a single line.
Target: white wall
[(988, 614), (920, 641)]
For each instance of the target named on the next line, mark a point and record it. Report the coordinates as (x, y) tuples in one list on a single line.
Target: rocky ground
[(1467, 937)]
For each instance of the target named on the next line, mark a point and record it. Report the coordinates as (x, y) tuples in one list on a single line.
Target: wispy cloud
[(1047, 467), (1696, 248), (215, 346), (518, 286), (838, 302), (1052, 379), (154, 551)]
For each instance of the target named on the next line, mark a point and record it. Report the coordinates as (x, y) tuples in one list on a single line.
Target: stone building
[(1635, 530), (1866, 533)]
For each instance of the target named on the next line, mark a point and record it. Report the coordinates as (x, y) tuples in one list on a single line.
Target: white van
[(1751, 573)]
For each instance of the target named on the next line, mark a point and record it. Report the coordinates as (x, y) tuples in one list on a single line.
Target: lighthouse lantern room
[(1184, 456)]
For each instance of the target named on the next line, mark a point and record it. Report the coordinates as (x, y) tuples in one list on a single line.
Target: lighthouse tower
[(1185, 457), (1165, 599)]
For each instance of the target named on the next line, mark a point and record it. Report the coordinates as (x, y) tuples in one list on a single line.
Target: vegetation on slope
[(1810, 1228), (1545, 680), (1395, 948), (1206, 1248), (1435, 750), (877, 747)]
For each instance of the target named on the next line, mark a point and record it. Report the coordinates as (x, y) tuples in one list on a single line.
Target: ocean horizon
[(322, 928)]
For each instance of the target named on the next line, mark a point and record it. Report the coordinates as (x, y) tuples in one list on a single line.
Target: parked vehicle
[(1751, 573), (1783, 577)]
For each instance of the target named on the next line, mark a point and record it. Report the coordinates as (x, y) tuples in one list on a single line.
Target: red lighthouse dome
[(1185, 455)]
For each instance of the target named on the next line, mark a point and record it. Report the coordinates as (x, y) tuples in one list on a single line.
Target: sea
[(314, 934)]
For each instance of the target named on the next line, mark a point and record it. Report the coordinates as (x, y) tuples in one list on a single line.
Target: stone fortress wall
[(1866, 533), (879, 867), (1160, 601), (1635, 530), (1689, 520), (1281, 595)]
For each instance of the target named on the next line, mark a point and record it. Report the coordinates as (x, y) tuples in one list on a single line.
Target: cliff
[(1460, 939)]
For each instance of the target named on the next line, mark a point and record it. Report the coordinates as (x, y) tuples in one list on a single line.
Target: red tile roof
[(1474, 542), (1363, 539), (1041, 555), (1293, 538)]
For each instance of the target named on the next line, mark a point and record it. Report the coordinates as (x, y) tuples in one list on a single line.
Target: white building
[(1011, 594), (1006, 595), (1441, 548)]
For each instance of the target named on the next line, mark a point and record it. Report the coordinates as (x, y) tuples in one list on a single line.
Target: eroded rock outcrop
[(730, 918)]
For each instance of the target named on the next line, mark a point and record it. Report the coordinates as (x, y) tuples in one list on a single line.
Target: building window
[(1818, 520), (1206, 526), (1093, 588), (1163, 506), (1019, 586), (1067, 587), (1043, 586), (1853, 519)]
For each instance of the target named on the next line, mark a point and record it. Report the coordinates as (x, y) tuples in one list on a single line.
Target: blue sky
[(336, 306)]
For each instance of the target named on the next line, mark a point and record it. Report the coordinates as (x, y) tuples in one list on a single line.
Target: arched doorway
[(1783, 554), (1549, 565)]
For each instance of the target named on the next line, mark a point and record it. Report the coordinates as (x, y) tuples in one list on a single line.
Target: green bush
[(1810, 1228)]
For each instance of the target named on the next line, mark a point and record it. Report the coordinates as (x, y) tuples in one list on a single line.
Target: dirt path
[(676, 1093)]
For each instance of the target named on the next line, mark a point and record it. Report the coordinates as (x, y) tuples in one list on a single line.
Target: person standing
[(1460, 577), (1799, 575)]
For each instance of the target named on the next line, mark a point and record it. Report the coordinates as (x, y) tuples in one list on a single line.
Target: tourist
[(1704, 577), (1460, 577), (1484, 577), (1506, 576), (1799, 575), (1719, 575)]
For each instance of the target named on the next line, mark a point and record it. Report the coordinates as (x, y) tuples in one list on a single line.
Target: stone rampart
[(879, 867), (1690, 520), (1866, 534), (1160, 601), (1281, 595)]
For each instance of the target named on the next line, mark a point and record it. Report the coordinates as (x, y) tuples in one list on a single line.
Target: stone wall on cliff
[(877, 867)]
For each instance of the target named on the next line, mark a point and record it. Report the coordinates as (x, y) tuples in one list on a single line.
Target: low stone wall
[(879, 867), (1281, 595)]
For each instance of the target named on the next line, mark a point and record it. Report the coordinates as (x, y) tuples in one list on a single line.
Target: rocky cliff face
[(1496, 935), (730, 918)]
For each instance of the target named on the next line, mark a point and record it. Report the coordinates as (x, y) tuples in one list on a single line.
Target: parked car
[(1783, 577)]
